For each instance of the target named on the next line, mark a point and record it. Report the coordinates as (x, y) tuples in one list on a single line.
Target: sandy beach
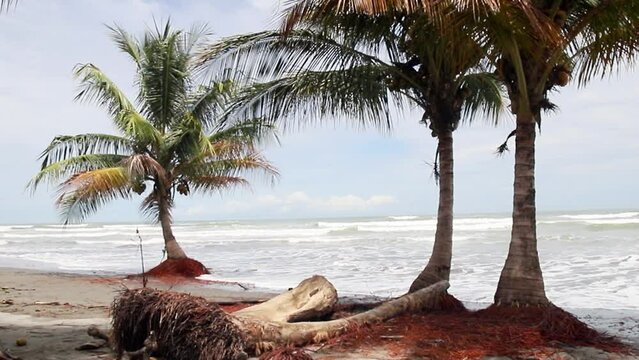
[(52, 311)]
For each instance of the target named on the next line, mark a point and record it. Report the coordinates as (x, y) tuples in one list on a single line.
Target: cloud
[(298, 202)]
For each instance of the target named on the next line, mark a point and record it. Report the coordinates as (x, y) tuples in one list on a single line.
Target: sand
[(52, 311)]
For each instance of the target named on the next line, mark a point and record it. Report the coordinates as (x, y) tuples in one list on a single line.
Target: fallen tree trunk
[(267, 334), (312, 299), (188, 327)]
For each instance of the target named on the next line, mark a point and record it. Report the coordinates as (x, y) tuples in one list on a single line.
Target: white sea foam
[(591, 260), (621, 215), (405, 217)]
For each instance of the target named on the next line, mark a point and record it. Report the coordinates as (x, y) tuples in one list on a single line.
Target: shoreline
[(52, 310)]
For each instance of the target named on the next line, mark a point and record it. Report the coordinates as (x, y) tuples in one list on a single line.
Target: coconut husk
[(184, 326)]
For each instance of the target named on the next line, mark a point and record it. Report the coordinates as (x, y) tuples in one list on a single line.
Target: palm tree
[(172, 140), (536, 46), (333, 65), (592, 39)]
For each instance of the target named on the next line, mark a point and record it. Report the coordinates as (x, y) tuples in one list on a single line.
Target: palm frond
[(302, 98), (213, 183), (143, 166), (267, 55), (163, 77), (209, 101), (253, 163), (604, 37), (150, 206), (64, 147), (95, 86), (251, 131), (84, 193), (5, 5), (77, 164), (127, 43), (483, 95)]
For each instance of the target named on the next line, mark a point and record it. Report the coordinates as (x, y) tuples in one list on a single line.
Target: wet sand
[(52, 311)]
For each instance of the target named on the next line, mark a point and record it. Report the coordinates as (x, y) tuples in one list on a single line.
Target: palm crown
[(172, 140)]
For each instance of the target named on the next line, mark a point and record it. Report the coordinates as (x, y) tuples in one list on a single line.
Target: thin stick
[(144, 278)]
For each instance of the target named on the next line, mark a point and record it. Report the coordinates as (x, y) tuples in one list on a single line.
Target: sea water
[(589, 260)]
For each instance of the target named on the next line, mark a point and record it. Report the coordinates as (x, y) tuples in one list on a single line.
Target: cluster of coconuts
[(183, 188), (561, 75), (138, 187)]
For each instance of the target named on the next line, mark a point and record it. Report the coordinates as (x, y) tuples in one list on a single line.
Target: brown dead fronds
[(184, 326)]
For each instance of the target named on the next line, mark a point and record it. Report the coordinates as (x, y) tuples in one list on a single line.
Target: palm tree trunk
[(173, 249), (438, 267), (521, 281)]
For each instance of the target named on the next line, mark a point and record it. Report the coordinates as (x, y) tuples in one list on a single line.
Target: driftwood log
[(188, 327)]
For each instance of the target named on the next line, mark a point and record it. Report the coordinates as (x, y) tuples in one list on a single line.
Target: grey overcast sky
[(587, 153)]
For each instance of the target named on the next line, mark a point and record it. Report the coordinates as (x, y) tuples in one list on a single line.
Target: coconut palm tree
[(593, 38), (171, 140), (353, 66), (537, 46)]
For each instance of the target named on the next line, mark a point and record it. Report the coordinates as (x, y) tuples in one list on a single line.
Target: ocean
[(589, 260)]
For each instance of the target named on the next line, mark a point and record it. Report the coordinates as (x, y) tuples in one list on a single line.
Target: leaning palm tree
[(353, 65), (536, 46), (171, 140)]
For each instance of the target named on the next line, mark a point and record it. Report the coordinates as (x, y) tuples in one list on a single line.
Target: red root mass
[(171, 268), (286, 353), (497, 331)]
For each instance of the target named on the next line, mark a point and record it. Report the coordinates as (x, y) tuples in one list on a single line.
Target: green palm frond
[(85, 192), (483, 95), (251, 132), (213, 183), (359, 92), (127, 43), (233, 166), (55, 171), (163, 77), (209, 102), (64, 147), (267, 54), (603, 37), (95, 86)]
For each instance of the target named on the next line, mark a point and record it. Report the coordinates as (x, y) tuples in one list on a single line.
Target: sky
[(587, 152)]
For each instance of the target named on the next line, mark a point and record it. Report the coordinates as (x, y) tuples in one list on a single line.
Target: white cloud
[(299, 201)]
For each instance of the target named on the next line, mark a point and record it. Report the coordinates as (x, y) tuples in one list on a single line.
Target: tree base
[(172, 268), (553, 324)]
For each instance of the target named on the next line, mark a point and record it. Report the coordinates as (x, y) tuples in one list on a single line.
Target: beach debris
[(54, 303), (286, 353), (7, 302), (102, 336), (6, 355), (189, 327), (184, 326), (21, 342), (312, 299)]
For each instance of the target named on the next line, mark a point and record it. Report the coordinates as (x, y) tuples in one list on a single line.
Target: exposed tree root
[(554, 324), (185, 326), (188, 268)]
